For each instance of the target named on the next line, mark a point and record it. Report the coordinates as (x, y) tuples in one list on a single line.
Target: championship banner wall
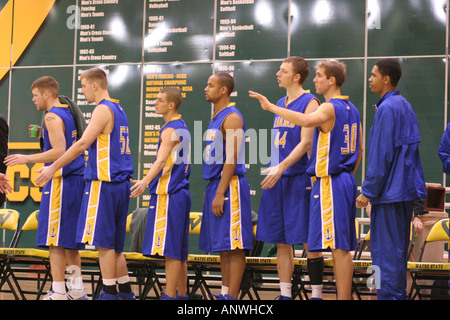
[(145, 45)]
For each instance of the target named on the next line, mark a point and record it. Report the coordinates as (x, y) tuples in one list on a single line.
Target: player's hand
[(5, 187), (418, 225), (15, 159), (273, 175), (45, 175), (138, 188), (217, 205), (362, 201), (265, 103)]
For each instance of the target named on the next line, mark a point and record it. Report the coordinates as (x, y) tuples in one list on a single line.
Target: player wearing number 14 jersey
[(283, 216)]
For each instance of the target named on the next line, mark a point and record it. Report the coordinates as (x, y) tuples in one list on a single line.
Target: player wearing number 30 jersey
[(333, 159)]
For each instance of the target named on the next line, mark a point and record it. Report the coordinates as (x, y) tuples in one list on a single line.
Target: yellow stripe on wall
[(5, 37), (28, 18), (235, 214), (24, 145)]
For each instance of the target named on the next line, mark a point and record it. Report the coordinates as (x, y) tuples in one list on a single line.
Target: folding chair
[(9, 220), (439, 232), (205, 266), (142, 267), (439, 272), (17, 258), (362, 246)]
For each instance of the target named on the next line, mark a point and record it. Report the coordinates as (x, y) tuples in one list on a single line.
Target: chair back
[(439, 231), (195, 221), (10, 220), (32, 221)]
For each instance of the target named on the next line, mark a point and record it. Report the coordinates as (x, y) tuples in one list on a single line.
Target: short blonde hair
[(334, 68), (96, 75), (174, 95)]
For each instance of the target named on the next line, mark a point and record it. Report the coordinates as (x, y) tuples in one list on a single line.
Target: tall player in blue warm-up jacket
[(109, 168), (335, 155), (167, 228), (394, 179)]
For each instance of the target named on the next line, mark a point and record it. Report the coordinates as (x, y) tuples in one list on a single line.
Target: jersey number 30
[(350, 137)]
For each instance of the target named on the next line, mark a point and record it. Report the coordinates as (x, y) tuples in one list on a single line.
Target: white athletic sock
[(224, 290), (109, 282), (59, 287), (124, 279), (286, 289), (316, 291)]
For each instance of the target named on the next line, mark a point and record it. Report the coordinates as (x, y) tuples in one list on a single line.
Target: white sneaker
[(51, 295), (77, 294)]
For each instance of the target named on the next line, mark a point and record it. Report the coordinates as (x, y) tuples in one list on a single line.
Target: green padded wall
[(147, 44)]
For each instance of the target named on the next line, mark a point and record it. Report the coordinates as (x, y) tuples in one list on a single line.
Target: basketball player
[(167, 228), (283, 216), (109, 168), (336, 153), (226, 222), (60, 204)]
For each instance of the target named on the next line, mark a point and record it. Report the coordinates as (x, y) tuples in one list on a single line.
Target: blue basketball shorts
[(283, 215), (59, 211), (103, 216), (333, 213), (234, 229), (167, 231)]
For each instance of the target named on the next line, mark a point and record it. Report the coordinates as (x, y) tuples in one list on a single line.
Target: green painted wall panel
[(327, 29), (188, 40)]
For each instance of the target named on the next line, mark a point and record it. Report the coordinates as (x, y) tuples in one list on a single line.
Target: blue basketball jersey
[(70, 133), (176, 171), (109, 155), (337, 150), (214, 154), (286, 135)]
